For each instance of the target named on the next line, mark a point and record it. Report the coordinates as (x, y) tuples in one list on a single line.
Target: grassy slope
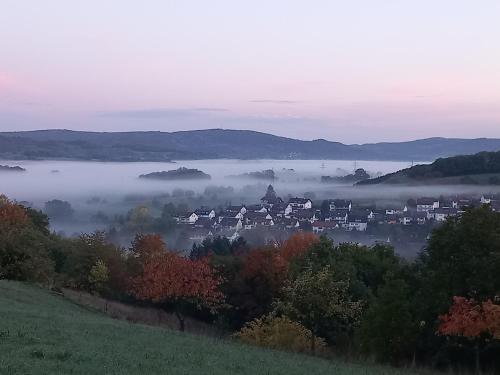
[(41, 333)]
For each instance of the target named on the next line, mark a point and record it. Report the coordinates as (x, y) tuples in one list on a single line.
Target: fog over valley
[(105, 194)]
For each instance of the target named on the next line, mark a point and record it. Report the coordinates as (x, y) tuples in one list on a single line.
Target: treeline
[(462, 165), (305, 294)]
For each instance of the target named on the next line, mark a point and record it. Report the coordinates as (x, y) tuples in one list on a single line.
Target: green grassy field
[(41, 333)]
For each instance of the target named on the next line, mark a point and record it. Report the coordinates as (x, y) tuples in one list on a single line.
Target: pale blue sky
[(353, 71)]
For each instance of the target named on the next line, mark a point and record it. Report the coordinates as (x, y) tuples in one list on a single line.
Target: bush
[(279, 333)]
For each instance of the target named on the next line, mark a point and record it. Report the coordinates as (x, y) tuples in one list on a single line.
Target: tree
[(146, 246), (98, 275), (297, 245), (39, 220), (325, 208), (12, 215), (262, 277), (364, 267), (24, 248), (389, 328), (83, 254), (270, 196), (173, 281), (320, 303), (58, 209), (220, 246), (462, 258), (473, 321)]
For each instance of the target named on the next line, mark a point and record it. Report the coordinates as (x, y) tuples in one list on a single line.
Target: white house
[(441, 214), (187, 219), (205, 212), (427, 204), (300, 203), (340, 216), (487, 199), (406, 220), (357, 222), (340, 204), (322, 226), (360, 226), (241, 209)]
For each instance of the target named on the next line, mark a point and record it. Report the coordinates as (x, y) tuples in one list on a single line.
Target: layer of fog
[(114, 188)]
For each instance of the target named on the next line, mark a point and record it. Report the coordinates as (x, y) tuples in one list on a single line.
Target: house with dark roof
[(281, 210), (300, 203), (187, 218), (205, 222), (205, 212), (287, 223), (340, 204), (323, 226), (427, 204), (252, 215), (230, 214), (254, 219), (305, 215), (441, 214), (256, 208), (340, 216), (419, 217), (358, 222), (231, 223), (241, 209)]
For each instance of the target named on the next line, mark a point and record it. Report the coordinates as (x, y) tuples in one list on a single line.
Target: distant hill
[(480, 168), (8, 168), (218, 144), (178, 174)]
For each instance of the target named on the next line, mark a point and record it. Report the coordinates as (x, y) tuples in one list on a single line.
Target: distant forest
[(463, 166)]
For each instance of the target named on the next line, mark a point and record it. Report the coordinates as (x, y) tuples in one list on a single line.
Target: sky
[(350, 71)]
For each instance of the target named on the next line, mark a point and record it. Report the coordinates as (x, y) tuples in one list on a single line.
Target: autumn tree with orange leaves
[(12, 216), (471, 320), (172, 281), (297, 245), (144, 247)]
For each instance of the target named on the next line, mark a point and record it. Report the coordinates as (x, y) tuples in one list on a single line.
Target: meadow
[(43, 333)]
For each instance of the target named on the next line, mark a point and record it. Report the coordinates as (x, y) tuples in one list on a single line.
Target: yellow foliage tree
[(279, 333)]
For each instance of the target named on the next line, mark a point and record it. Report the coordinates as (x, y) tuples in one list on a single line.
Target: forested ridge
[(462, 165)]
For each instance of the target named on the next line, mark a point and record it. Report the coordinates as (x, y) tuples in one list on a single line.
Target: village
[(334, 215)]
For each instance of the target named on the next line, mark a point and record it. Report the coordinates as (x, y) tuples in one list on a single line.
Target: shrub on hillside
[(279, 333)]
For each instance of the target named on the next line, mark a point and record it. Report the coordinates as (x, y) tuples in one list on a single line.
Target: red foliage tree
[(297, 245), (471, 320), (169, 279), (262, 277), (266, 264)]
